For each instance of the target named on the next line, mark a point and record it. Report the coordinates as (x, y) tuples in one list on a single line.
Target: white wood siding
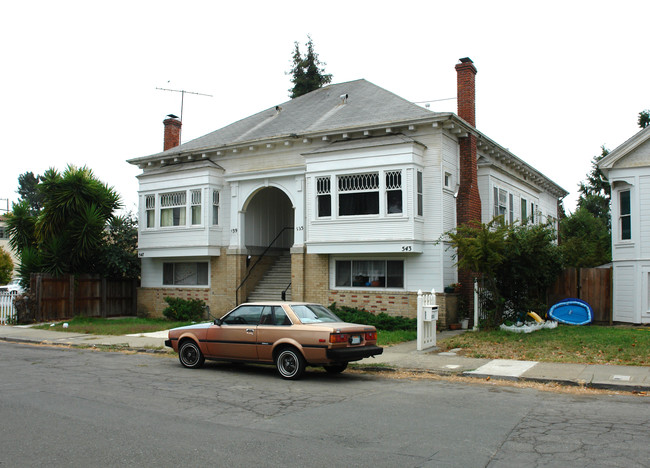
[(624, 293), (644, 215)]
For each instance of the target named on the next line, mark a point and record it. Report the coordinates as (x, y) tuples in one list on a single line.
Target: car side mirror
[(217, 321)]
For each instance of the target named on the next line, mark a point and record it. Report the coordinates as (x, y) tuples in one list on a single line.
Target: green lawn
[(620, 345), (386, 338), (116, 326)]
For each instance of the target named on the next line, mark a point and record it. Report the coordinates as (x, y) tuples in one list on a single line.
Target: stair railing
[(284, 293), (256, 262)]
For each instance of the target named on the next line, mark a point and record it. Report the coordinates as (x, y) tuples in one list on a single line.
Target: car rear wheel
[(190, 355), (290, 363), (336, 368)]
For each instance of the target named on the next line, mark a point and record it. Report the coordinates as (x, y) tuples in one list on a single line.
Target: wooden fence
[(67, 296), (593, 285)]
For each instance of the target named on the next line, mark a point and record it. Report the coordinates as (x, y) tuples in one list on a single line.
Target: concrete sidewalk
[(403, 356)]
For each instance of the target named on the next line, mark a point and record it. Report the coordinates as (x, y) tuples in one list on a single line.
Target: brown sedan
[(291, 335)]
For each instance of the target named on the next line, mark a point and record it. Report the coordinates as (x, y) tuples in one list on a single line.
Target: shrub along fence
[(67, 296), (593, 285)]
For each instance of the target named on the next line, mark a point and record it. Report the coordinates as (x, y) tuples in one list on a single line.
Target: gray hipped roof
[(322, 110)]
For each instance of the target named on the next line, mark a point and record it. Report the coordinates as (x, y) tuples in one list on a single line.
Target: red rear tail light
[(339, 337), (371, 336)]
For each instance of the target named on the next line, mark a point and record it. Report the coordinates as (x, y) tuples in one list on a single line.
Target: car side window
[(281, 317), (244, 315), (267, 316)]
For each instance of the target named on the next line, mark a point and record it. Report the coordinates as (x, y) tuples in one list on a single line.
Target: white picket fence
[(427, 320), (7, 309)]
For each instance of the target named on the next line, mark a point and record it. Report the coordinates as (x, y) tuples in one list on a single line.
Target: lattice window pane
[(196, 197), (323, 185), (172, 199), (393, 180), (150, 202), (359, 182)]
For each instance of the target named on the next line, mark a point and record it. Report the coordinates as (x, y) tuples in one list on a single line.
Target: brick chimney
[(172, 132), (468, 203)]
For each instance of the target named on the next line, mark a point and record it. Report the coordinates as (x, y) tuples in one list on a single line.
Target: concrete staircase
[(275, 280)]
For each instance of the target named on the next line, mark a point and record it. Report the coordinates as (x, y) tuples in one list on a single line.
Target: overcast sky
[(556, 79)]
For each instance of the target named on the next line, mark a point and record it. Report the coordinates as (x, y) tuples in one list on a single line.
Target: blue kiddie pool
[(572, 312)]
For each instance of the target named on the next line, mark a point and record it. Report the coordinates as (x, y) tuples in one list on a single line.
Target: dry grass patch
[(619, 345)]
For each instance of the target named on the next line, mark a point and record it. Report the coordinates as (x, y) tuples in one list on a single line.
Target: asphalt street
[(79, 407)]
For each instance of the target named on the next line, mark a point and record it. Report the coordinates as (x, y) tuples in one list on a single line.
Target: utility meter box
[(430, 313)]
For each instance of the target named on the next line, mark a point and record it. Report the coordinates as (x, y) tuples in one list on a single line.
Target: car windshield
[(314, 313)]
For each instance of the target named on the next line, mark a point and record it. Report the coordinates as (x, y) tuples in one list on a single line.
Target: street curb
[(116, 347), (566, 383)]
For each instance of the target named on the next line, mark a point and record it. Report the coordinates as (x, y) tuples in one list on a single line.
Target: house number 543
[(407, 248)]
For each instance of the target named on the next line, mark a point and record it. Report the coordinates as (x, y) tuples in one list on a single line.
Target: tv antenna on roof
[(183, 92)]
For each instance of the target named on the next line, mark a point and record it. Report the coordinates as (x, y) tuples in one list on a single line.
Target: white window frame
[(215, 207), (625, 216), (150, 211), (323, 192), (175, 266), (371, 279), (394, 185), (171, 201), (359, 183), (196, 207), (419, 193)]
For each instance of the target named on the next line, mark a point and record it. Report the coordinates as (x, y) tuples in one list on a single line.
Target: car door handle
[(250, 331)]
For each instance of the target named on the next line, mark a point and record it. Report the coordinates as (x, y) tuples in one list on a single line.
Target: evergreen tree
[(307, 72), (644, 118), (595, 192), (29, 193)]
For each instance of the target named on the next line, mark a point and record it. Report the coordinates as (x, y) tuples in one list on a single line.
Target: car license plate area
[(355, 339)]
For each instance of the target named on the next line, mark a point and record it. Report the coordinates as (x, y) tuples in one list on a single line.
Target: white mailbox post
[(427, 320)]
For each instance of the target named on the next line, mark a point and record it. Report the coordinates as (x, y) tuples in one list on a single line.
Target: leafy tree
[(6, 266), (517, 263), (29, 193), (644, 118), (307, 72), (586, 241), (119, 255), (595, 192)]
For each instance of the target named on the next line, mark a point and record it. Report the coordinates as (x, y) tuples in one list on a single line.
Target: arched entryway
[(268, 236)]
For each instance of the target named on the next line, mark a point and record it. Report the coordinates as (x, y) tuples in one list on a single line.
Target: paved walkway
[(403, 356)]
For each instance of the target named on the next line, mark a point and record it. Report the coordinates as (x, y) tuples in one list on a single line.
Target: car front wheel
[(336, 368), (190, 355), (290, 363)]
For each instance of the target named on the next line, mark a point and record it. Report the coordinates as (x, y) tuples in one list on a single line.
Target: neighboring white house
[(627, 169), (350, 185)]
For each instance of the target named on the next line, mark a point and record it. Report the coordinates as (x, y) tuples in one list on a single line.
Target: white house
[(342, 195), (628, 170)]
